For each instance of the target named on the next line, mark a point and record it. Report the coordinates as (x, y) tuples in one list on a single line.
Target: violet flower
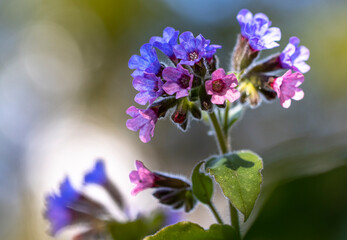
[(294, 56), (142, 177), (286, 87), (222, 87), (166, 43), (178, 80), (147, 62), (57, 211), (97, 175), (143, 120), (257, 30), (150, 87), (191, 50)]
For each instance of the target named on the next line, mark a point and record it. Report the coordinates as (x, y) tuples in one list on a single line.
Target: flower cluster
[(193, 80), (258, 77), (181, 84)]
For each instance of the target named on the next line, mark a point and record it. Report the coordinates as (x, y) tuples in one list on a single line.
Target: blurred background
[(65, 86)]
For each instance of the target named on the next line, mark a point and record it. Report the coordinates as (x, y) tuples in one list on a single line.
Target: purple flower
[(57, 211), (150, 87), (222, 87), (294, 56), (257, 30), (166, 42), (172, 217), (143, 120), (191, 50), (147, 62), (142, 177), (178, 80), (286, 87), (97, 175)]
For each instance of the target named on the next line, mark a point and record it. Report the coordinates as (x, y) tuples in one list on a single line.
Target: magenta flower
[(178, 80), (294, 56), (143, 120), (257, 30), (222, 87), (149, 87), (142, 177), (286, 87)]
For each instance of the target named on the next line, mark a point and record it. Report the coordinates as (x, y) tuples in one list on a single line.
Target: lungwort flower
[(257, 30), (148, 61), (294, 56), (150, 87), (286, 87), (143, 121), (191, 50), (166, 43), (222, 87), (58, 210), (142, 177), (97, 175), (178, 80)]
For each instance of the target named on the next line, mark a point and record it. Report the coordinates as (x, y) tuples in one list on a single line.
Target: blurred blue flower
[(57, 211), (97, 175)]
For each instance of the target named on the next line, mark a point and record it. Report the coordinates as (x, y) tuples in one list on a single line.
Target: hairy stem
[(215, 213), (223, 147)]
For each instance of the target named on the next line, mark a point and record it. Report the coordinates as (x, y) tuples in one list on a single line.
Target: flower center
[(184, 81), (218, 85), (193, 56)]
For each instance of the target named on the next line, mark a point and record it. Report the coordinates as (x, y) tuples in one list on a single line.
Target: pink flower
[(143, 178), (143, 121), (286, 87), (222, 87)]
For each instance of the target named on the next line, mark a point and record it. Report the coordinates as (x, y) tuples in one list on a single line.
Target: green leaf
[(192, 231), (137, 229), (202, 185), (239, 176)]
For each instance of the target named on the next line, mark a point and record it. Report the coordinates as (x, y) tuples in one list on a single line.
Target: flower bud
[(205, 99), (176, 198), (249, 94), (162, 105)]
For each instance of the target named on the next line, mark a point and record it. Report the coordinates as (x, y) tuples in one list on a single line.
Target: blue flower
[(166, 43), (257, 30), (57, 211), (294, 56), (150, 87), (97, 175), (191, 50), (147, 62)]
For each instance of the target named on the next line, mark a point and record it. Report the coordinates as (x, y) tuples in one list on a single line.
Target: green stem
[(222, 143), (219, 134), (215, 213), (235, 220), (226, 120)]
